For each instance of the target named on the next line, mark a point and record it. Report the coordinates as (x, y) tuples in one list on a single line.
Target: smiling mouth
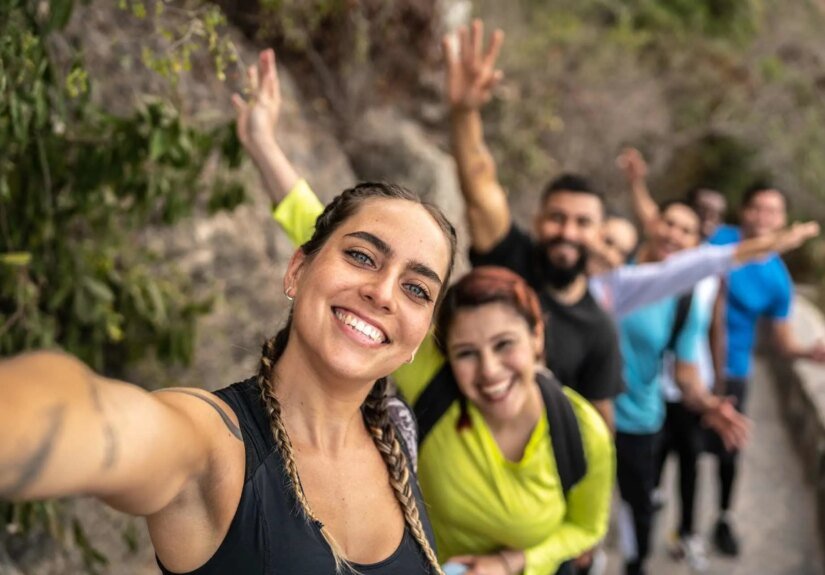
[(496, 392), (360, 326)]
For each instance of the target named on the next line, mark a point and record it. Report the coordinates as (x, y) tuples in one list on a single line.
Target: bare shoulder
[(187, 531)]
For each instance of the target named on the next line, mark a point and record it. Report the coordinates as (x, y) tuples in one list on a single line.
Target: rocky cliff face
[(237, 257)]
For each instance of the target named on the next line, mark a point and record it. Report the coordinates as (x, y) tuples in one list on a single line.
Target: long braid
[(374, 409), (272, 350), (376, 417)]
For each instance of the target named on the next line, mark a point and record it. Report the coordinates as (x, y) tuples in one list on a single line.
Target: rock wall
[(237, 257)]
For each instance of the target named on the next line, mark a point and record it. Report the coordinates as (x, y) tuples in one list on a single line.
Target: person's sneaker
[(689, 548), (695, 554), (725, 539)]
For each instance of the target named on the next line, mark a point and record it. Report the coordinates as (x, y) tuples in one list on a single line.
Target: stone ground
[(774, 510)]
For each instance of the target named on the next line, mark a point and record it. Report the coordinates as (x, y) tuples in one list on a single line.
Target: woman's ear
[(538, 340), (294, 271)]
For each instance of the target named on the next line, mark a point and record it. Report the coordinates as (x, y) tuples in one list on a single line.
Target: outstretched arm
[(630, 287), (633, 164), (69, 431), (471, 76), (790, 347)]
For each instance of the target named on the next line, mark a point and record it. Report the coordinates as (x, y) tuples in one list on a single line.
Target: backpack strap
[(435, 400), (565, 435), (682, 309)]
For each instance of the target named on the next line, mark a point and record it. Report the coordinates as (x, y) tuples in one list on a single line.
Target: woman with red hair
[(516, 470)]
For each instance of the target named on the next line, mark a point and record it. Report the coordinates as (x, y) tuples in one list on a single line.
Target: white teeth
[(496, 391), (361, 326)]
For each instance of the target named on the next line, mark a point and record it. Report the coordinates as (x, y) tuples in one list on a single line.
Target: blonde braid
[(272, 350), (376, 417)]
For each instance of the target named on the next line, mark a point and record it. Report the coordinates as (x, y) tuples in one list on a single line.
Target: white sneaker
[(692, 549)]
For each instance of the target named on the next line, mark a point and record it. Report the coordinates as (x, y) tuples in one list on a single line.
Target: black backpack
[(565, 435)]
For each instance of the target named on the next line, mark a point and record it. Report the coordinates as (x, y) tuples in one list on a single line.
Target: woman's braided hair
[(374, 409)]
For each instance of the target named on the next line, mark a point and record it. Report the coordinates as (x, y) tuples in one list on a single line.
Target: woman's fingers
[(252, 78), (494, 49), (239, 103), (270, 84)]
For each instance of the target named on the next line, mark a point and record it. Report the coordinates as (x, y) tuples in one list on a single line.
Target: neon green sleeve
[(588, 502), (412, 378), (297, 212)]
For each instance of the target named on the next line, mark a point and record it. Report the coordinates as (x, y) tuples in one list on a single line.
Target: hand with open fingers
[(633, 165), (733, 427), (258, 115), (483, 564), (794, 236), (471, 71)]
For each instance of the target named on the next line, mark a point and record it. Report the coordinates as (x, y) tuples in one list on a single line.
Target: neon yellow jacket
[(479, 502)]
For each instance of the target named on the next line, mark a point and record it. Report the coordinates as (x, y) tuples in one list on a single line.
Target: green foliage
[(200, 30), (77, 187)]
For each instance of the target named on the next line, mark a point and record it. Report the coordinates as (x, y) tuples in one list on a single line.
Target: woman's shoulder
[(591, 425)]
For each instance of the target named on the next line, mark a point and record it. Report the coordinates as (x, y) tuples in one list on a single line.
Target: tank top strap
[(245, 400)]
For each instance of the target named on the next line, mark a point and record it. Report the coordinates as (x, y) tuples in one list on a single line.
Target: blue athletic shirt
[(643, 337), (756, 289)]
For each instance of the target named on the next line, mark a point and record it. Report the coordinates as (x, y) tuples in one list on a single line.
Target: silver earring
[(412, 358), (286, 293)]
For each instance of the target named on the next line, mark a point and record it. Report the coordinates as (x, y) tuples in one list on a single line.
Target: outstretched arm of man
[(789, 346), (471, 77)]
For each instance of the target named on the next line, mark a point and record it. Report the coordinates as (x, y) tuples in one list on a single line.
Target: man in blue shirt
[(757, 290)]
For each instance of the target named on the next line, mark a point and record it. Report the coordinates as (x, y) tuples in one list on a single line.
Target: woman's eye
[(360, 257), (463, 354), (504, 344), (419, 291)]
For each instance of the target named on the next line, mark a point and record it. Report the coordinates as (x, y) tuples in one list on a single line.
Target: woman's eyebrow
[(424, 270), (383, 247), (379, 244)]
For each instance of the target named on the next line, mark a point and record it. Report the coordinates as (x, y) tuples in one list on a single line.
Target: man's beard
[(552, 274)]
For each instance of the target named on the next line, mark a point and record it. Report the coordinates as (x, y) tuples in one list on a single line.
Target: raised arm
[(471, 76), (634, 167), (69, 431), (295, 206), (257, 118)]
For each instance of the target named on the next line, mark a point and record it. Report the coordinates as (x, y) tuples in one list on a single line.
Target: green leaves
[(77, 189)]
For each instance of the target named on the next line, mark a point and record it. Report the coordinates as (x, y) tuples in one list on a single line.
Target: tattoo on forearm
[(28, 470), (110, 449), (233, 429)]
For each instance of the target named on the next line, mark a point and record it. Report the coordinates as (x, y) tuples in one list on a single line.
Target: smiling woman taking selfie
[(296, 470)]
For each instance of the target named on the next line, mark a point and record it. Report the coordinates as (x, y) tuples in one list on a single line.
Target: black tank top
[(268, 536)]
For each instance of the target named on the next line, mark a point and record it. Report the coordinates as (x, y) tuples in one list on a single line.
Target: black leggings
[(729, 460), (636, 474), (682, 434)]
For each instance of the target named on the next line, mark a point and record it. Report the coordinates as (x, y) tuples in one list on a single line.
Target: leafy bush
[(76, 187)]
